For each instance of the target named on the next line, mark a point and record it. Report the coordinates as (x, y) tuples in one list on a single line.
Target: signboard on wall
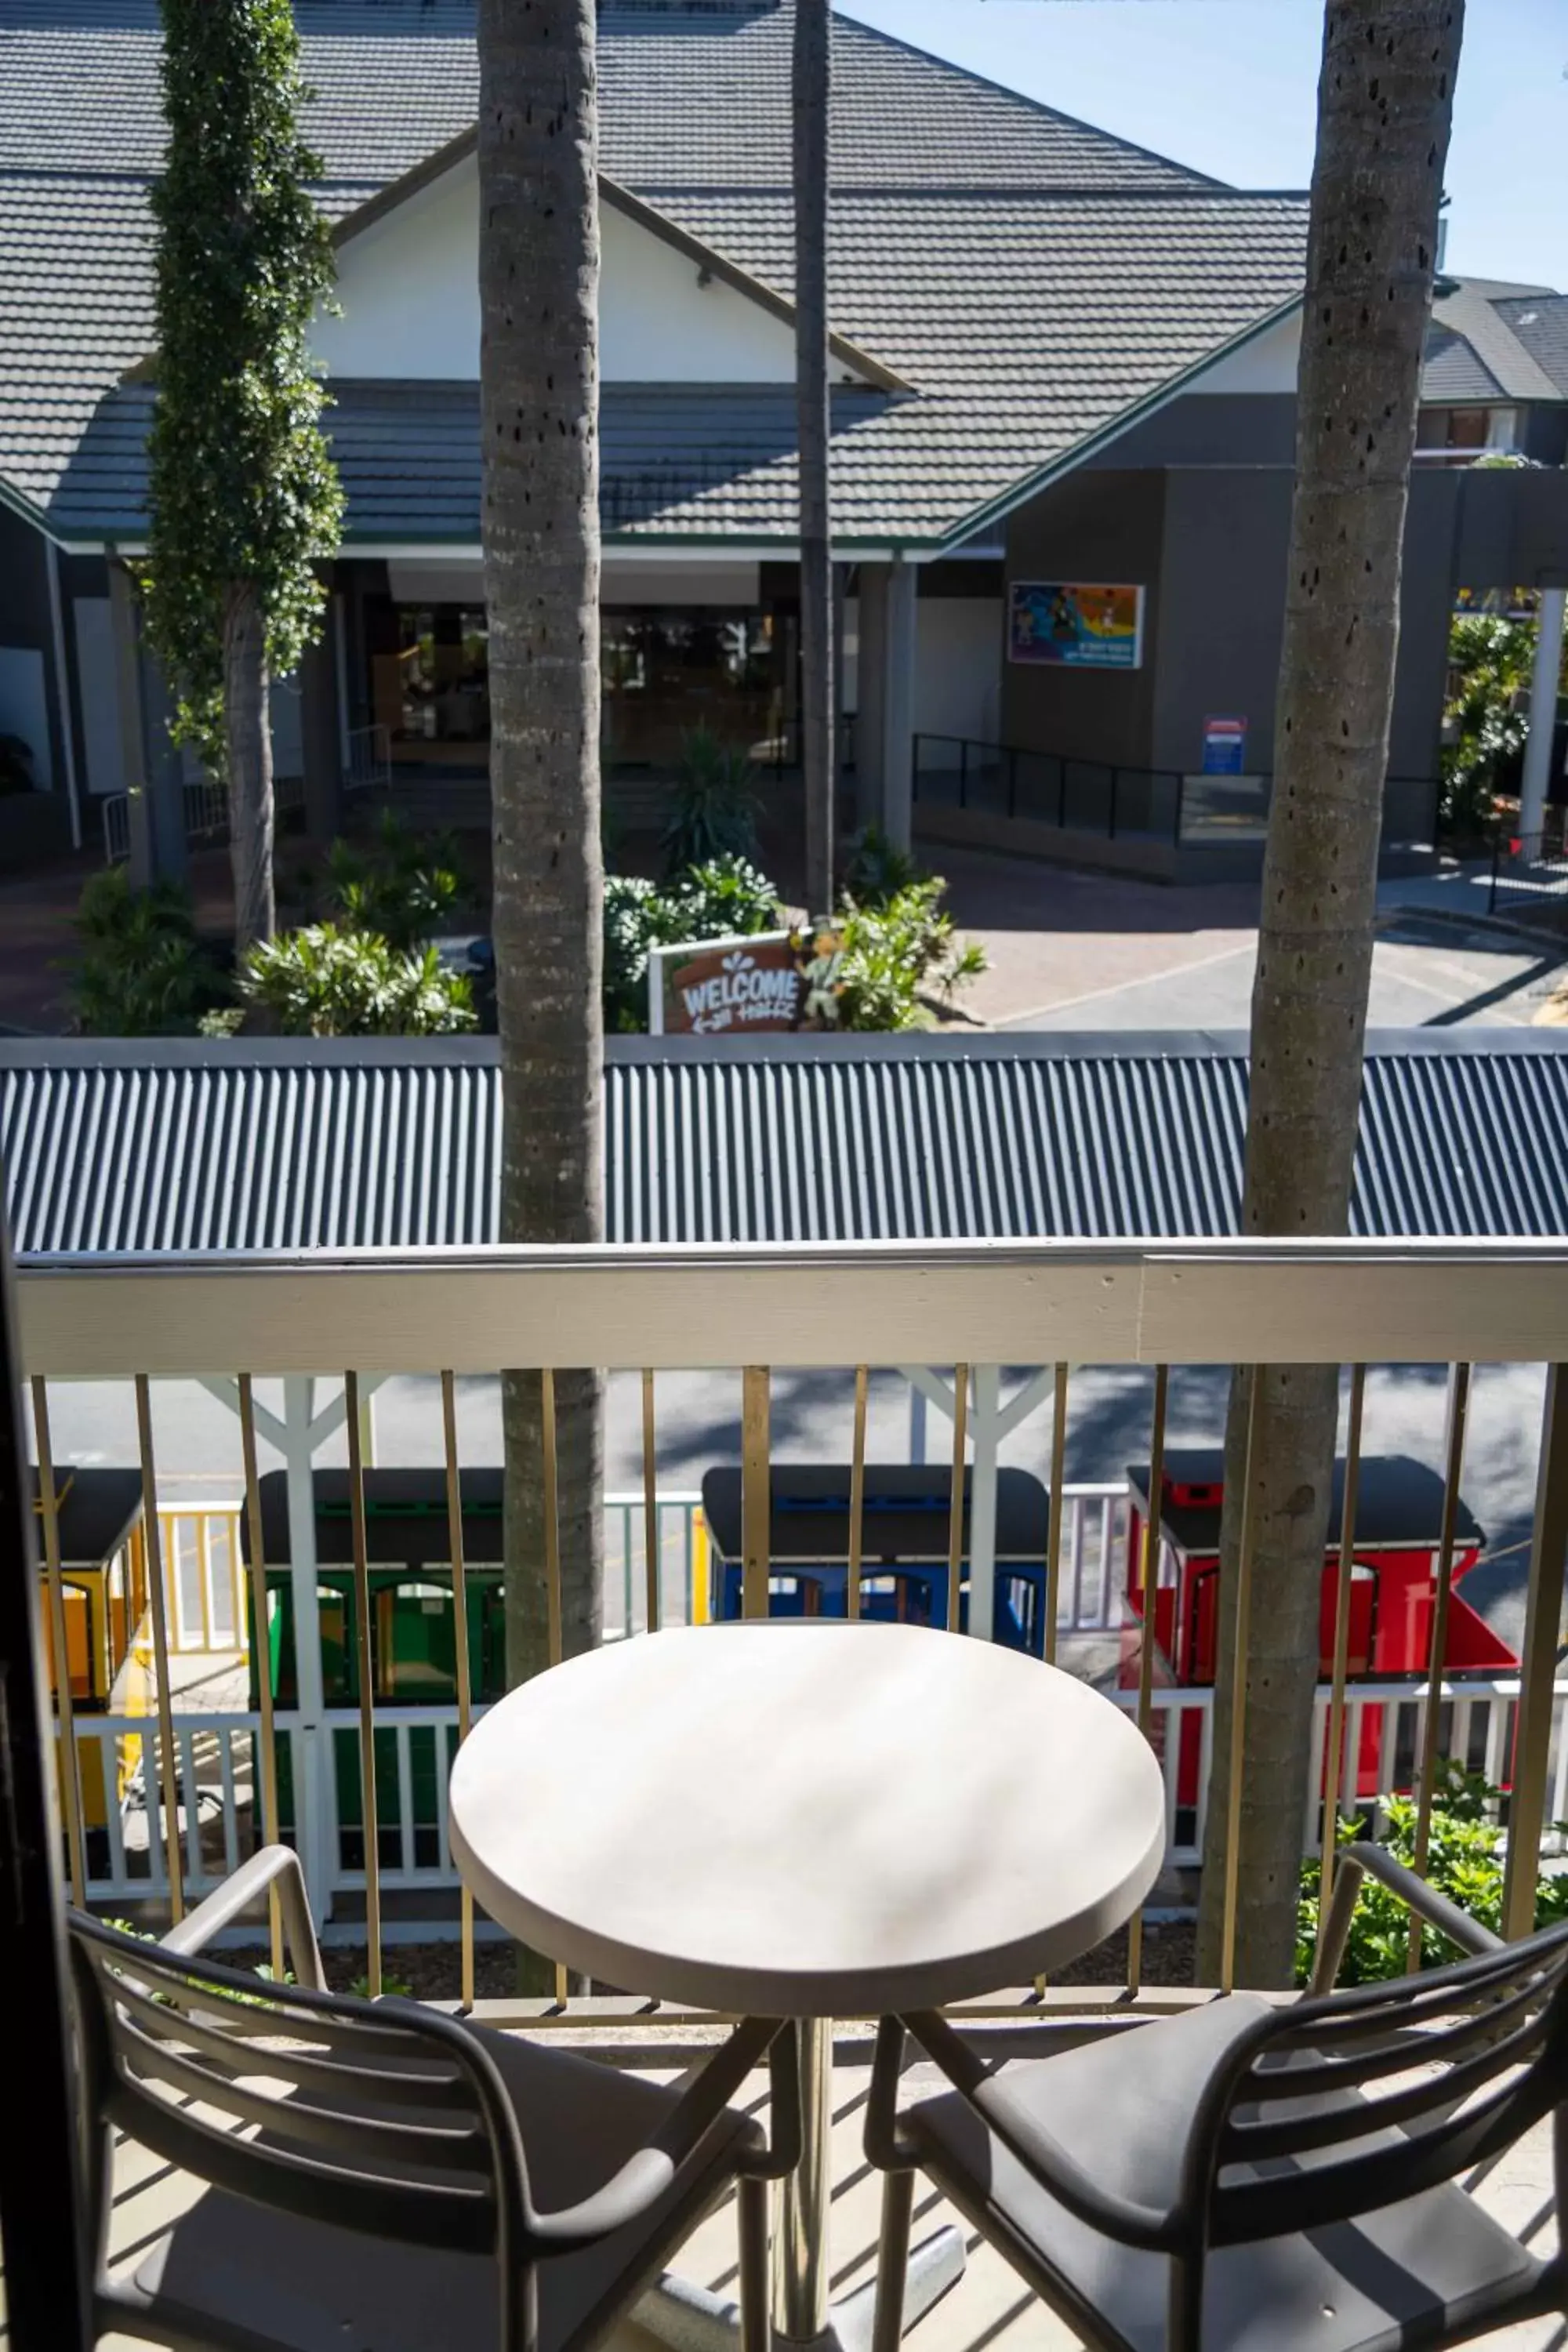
[(1225, 747), (716, 988), (1075, 625)]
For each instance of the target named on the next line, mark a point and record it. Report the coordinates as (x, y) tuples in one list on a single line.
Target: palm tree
[(539, 280), (1385, 109), (812, 82)]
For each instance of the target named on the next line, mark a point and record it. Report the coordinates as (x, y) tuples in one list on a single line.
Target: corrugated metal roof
[(131, 1147)]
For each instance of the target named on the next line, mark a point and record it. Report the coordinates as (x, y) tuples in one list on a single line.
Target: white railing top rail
[(1007, 1302)]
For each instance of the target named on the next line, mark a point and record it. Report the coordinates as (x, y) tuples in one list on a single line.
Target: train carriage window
[(117, 1584), (417, 1642), (79, 1642)]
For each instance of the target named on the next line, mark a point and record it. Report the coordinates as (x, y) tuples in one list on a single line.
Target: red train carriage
[(1398, 1520)]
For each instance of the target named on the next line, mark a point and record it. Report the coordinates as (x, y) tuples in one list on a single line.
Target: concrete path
[(1074, 950)]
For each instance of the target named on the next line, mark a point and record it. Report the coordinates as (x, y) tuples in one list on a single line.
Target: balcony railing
[(1112, 802), (185, 1794)]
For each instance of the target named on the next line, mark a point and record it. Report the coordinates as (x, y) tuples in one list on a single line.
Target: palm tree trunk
[(539, 273), (812, 79), (247, 732), (1384, 108)]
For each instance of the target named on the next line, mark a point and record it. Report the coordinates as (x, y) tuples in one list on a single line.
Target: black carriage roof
[(1399, 1503), (906, 1514), (405, 1518), (97, 1510)]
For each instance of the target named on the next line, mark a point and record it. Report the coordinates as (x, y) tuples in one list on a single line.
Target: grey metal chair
[(382, 2178), (1252, 2176)]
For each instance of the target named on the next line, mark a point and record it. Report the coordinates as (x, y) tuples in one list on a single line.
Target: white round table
[(808, 1819)]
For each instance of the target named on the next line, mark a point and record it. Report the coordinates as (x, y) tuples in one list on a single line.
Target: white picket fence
[(220, 1810)]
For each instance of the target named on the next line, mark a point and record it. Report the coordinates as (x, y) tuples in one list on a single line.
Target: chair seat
[(251, 2270), (1397, 2278)]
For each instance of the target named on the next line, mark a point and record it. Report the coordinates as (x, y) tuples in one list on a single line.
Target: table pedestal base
[(690, 2319)]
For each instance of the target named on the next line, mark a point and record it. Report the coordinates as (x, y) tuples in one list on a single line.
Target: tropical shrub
[(405, 887), (891, 967), (634, 913), (874, 871), (140, 970), (320, 982), (1485, 721), (1464, 1862), (727, 896), (715, 808)]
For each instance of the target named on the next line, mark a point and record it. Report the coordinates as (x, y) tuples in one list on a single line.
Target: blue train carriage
[(905, 1545), (413, 1634), (103, 1588)]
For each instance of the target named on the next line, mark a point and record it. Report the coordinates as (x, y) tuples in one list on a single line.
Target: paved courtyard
[(1075, 950)]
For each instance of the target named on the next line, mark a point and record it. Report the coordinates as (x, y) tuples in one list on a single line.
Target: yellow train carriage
[(103, 1588)]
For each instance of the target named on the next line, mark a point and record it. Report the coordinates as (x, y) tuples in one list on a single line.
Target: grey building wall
[(1209, 542), (1544, 434), (1220, 594), (1209, 429), (1094, 526)]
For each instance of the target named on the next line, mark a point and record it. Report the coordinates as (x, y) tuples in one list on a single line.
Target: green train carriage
[(413, 1635)]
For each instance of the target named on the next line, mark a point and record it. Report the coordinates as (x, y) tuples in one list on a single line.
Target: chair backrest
[(1353, 2102), (385, 2120)]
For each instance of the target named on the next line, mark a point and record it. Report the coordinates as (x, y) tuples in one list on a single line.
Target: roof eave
[(1041, 478)]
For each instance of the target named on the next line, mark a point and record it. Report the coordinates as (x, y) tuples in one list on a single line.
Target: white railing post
[(315, 1830), (983, 1500)]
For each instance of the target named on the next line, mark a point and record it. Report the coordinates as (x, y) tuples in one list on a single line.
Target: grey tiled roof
[(1033, 280), (1477, 310), (689, 95), (1026, 323), (695, 460), (1452, 370), (1540, 323)]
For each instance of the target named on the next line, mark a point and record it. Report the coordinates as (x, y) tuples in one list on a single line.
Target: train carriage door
[(417, 1639)]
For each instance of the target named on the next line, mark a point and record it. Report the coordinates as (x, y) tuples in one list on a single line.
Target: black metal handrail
[(1529, 875), (1112, 800)]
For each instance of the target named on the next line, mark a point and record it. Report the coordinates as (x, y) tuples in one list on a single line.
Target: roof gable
[(671, 308)]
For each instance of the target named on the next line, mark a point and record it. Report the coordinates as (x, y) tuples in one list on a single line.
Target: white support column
[(898, 704), (314, 1830), (917, 1423), (1543, 717), (986, 1435)]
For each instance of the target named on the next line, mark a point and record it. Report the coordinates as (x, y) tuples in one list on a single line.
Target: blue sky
[(1230, 86)]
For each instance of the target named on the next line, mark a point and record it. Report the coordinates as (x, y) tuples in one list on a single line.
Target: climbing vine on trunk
[(245, 502)]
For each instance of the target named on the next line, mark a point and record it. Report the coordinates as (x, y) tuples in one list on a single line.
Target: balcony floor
[(989, 2311)]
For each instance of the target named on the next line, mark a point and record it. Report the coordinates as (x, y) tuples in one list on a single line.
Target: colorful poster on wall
[(1225, 747), (717, 988), (1069, 624)]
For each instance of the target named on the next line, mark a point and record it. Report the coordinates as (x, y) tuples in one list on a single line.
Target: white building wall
[(958, 682), (958, 672), (408, 291), (1268, 364)]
